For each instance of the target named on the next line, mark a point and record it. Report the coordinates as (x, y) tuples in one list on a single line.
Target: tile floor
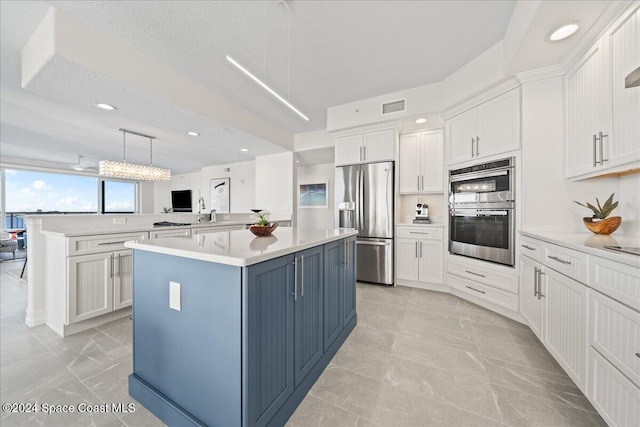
[(416, 358)]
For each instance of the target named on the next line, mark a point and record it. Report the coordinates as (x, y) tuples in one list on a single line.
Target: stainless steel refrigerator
[(364, 201)]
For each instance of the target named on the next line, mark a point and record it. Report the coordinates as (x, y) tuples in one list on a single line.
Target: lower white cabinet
[(531, 303), (419, 259), (184, 232), (99, 284), (565, 323)]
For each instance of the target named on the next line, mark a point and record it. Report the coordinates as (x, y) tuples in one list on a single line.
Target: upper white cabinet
[(603, 128), (421, 162), (492, 127), (366, 147)]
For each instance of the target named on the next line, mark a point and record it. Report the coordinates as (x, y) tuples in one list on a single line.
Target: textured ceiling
[(316, 53)]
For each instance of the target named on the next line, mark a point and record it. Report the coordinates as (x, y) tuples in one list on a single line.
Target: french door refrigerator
[(364, 201)]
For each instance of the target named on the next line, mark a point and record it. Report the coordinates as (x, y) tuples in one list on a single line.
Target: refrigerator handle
[(361, 200), (358, 207)]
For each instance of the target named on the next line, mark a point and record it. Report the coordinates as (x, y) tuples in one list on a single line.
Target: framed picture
[(314, 195), (220, 190)]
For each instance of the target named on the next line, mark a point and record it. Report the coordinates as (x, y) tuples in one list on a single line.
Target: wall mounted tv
[(181, 200)]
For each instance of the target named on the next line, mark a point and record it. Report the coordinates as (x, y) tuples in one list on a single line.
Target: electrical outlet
[(119, 220), (174, 296)]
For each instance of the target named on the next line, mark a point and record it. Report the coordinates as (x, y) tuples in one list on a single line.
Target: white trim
[(546, 73), (486, 95), (365, 129)]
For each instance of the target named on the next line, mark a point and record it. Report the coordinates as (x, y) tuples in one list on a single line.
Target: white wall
[(275, 181), (317, 217), (547, 198)]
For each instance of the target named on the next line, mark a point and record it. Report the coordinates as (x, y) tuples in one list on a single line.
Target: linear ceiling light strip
[(267, 88)]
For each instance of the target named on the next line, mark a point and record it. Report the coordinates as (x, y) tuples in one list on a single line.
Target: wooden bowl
[(605, 226), (263, 230)]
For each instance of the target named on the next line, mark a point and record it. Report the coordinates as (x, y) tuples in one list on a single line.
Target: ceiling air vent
[(393, 107)]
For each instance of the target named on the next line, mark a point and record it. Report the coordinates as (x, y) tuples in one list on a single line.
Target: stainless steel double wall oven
[(482, 211)]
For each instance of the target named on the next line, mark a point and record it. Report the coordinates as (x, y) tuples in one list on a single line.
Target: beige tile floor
[(416, 358)]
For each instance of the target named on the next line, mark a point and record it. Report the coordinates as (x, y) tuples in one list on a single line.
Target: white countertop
[(240, 247), (591, 243), (75, 231)]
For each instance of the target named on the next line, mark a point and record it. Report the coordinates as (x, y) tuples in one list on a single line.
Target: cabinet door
[(430, 261), (334, 261), (90, 286), (409, 168), (349, 309), (379, 146), (269, 340), (349, 150), (531, 305), (586, 111), (123, 279), (565, 323), (308, 311), (498, 125), (461, 130), (624, 57), (407, 259), (431, 162)]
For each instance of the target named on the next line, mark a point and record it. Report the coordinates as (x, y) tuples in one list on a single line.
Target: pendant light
[(131, 170)]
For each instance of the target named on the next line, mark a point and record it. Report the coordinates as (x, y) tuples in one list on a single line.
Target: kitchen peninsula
[(232, 329)]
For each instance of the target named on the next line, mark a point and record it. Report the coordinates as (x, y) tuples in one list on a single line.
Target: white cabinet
[(366, 147), (565, 323), (419, 256), (531, 303), (602, 115), (492, 127), (183, 232), (421, 162), (98, 284)]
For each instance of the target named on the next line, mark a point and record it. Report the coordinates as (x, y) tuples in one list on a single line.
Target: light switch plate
[(174, 296)]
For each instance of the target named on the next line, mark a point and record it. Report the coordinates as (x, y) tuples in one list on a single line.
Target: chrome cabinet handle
[(345, 248), (111, 243), (602, 159), (540, 273), (472, 141), (595, 145), (418, 232), (528, 247), (364, 153), (477, 145), (475, 274), (535, 281), (111, 272), (420, 249), (416, 249), (474, 289), (295, 279), (422, 182), (555, 258), (301, 275), (418, 184), (119, 263), (360, 158)]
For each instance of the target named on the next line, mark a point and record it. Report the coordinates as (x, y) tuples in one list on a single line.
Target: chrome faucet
[(201, 207), (213, 215)]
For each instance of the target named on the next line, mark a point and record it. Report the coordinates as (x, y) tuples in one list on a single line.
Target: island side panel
[(193, 356)]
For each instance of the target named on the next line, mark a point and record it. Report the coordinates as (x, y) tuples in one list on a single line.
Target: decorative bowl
[(263, 230), (605, 226)]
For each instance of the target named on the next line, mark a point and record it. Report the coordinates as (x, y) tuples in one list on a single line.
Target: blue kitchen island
[(230, 329)]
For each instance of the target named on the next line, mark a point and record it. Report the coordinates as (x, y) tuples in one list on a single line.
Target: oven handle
[(479, 212), (474, 175)]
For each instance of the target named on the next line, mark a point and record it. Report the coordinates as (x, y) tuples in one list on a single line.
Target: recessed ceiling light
[(192, 133), (563, 32), (104, 106), (244, 149), (421, 120)]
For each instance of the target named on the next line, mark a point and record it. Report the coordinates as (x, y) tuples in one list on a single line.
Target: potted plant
[(263, 227), (600, 223)]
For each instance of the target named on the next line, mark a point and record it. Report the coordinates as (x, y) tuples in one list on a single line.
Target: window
[(118, 197), (43, 192)]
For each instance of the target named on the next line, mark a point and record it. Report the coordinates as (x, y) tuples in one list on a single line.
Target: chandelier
[(131, 170)]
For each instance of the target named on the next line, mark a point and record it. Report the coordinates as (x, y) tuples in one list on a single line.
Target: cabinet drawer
[(619, 281), (534, 249), (614, 396), (421, 233), (101, 243), (496, 279), (615, 333), (205, 230), (170, 233), (487, 293), (566, 261)]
